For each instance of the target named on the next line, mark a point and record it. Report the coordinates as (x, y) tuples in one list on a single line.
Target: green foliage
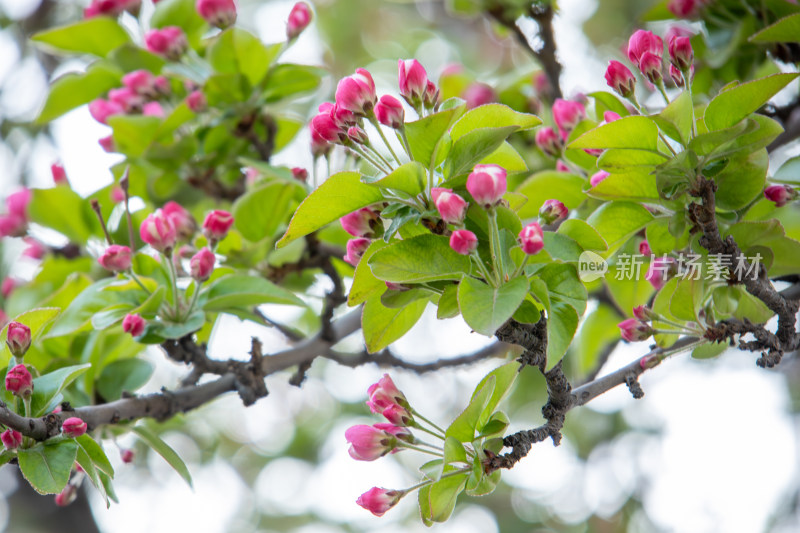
[(47, 465), (97, 36), (164, 450)]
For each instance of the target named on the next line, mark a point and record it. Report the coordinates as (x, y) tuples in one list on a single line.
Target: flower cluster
[(642, 325), (566, 115)]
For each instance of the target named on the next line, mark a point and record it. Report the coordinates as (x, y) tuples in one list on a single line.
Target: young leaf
[(76, 89), (239, 291), (463, 427), (63, 210), (634, 132), (617, 221), (486, 308), (547, 185), (163, 449), (36, 319), (732, 105), (561, 326), (96, 453), (470, 149), (423, 258), (259, 212), (236, 51), (91, 472), (382, 325), (442, 497), (409, 178), (492, 116), (97, 36), (47, 465), (365, 284), (47, 387), (582, 233), (123, 375), (786, 30), (424, 134)]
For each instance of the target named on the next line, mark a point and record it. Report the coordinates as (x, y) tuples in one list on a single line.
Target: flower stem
[(521, 268), (406, 145), (374, 122), (422, 450), (174, 282), (434, 426), (135, 278), (494, 243)]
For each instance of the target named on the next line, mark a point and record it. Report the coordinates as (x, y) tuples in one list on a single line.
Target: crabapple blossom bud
[(196, 101), (300, 174), (413, 80), (153, 109), (660, 270), (620, 78), (17, 203), (343, 118), (451, 206), (357, 135), (162, 85), (561, 166), (633, 330), (355, 250), (395, 286), (610, 116), (217, 224), (19, 381), (531, 238), (127, 456), (478, 94), (643, 313), (319, 146), (169, 41), (116, 258), (158, 231), (141, 81), (676, 76), (360, 223), (219, 13), (684, 8), (383, 394), (368, 443), (597, 177), (650, 65), (67, 495), (12, 439), (325, 127), (552, 211), (73, 427), (431, 97), (299, 19), (463, 241), (680, 52), (7, 287), (548, 141), (12, 226), (399, 416), (356, 93), (780, 194), (117, 194), (487, 184), (567, 113), (59, 174), (107, 143), (126, 98), (644, 248), (35, 249), (133, 324), (101, 109), (377, 500), (201, 264), (3, 318), (18, 339), (181, 219), (643, 42), (390, 112)]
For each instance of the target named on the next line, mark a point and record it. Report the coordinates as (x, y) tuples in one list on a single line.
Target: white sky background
[(725, 457)]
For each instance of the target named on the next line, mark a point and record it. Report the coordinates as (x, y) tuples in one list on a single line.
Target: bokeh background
[(712, 447)]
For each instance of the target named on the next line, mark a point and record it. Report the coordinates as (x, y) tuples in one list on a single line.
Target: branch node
[(632, 382)]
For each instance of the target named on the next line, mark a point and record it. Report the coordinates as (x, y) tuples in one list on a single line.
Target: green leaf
[(598, 330), (382, 325), (789, 172), (742, 180), (438, 500), (75, 89), (409, 178), (486, 308), (448, 303), (454, 451), (125, 375), (634, 132), (464, 426), (46, 388), (492, 116), (63, 210), (96, 453), (97, 36), (163, 449), (259, 212), (286, 80), (564, 284), (582, 233), (732, 105), (47, 465), (562, 323), (133, 134), (480, 484), (339, 195), (786, 30), (560, 247), (633, 185), (676, 119), (617, 221), (423, 258), (424, 134), (470, 149), (504, 377), (236, 51), (661, 305), (91, 472), (36, 319), (546, 185), (687, 300), (181, 13), (624, 160), (240, 291), (365, 284)]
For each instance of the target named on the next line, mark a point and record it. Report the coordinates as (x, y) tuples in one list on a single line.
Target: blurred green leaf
[(47, 388), (382, 325), (76, 89), (164, 450), (97, 36), (125, 375)]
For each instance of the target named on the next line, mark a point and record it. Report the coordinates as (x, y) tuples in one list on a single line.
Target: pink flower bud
[(73, 427), (360, 223), (661, 269), (141, 82), (157, 231), (59, 174), (18, 339), (12, 226), (463, 241), (487, 184), (300, 174), (451, 207), (567, 114), (650, 65), (216, 225), (133, 324), (561, 166), (644, 42), (202, 264), (153, 109), (299, 19), (431, 98), (356, 93), (117, 194), (633, 330), (399, 416), (478, 94), (395, 286), (67, 495), (319, 146), (162, 85), (610, 116), (169, 42), (17, 203), (684, 8), (643, 313), (676, 76), (356, 249), (620, 78), (127, 456), (548, 141), (219, 13), (390, 112), (101, 109), (357, 135), (368, 443), (780, 194), (597, 177), (196, 101), (116, 258), (377, 501), (413, 80), (8, 286), (12, 439), (35, 249), (325, 127), (552, 211), (384, 394), (531, 238), (126, 98), (107, 144), (343, 117), (644, 248), (181, 219), (19, 381), (680, 52)]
